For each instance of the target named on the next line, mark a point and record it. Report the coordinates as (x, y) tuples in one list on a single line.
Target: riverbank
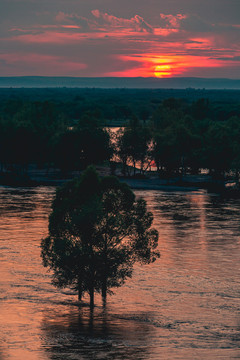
[(54, 177), (155, 183)]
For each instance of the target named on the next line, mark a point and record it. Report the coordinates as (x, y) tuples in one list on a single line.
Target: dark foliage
[(179, 131), (97, 231)]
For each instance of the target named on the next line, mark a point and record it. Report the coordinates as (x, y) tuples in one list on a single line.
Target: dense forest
[(171, 131)]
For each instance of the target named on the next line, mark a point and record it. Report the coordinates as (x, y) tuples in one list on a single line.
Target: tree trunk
[(91, 293), (237, 179), (79, 291), (124, 168), (105, 272), (104, 291)]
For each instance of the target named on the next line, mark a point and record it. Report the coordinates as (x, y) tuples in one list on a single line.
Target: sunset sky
[(120, 38)]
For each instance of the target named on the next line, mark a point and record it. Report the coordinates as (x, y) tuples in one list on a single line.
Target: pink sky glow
[(97, 42)]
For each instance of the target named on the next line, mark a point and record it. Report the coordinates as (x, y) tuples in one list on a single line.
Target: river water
[(184, 306)]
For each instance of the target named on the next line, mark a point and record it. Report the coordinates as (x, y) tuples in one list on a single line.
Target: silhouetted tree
[(84, 144), (97, 231), (218, 149), (133, 145)]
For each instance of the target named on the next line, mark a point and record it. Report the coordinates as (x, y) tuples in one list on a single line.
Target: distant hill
[(118, 82)]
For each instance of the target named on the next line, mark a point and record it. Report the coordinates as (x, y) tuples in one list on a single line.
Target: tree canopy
[(97, 231)]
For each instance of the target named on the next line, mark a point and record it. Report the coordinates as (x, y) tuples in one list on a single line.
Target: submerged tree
[(97, 231)]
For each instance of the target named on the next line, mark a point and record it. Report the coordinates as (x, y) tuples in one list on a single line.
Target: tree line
[(39, 133), (179, 140), (176, 138)]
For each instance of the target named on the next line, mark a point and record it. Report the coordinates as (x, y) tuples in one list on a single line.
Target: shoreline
[(190, 183), (152, 184)]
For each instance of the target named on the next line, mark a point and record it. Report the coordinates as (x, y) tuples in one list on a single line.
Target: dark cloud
[(172, 21), (193, 23), (229, 58), (84, 23)]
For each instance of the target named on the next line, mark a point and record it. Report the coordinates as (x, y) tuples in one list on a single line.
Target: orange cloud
[(102, 21), (164, 65), (137, 22), (165, 32)]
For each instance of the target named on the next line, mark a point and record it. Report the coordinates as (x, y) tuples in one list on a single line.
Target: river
[(184, 306)]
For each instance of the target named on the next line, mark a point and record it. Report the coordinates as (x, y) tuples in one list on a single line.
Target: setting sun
[(162, 71)]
